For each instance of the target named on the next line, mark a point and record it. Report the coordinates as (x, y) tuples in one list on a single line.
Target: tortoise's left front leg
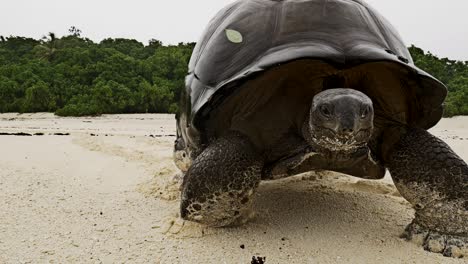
[(435, 180), (218, 188)]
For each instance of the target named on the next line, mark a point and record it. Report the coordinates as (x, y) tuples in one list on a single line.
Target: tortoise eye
[(365, 112), (325, 111)]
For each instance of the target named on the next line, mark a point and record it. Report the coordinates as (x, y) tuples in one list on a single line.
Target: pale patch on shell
[(234, 36)]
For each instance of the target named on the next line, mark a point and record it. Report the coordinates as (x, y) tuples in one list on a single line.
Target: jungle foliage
[(74, 76), (454, 74)]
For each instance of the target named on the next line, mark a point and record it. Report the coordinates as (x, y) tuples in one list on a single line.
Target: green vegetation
[(73, 76), (452, 73)]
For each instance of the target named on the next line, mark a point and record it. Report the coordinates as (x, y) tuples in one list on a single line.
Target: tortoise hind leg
[(435, 181), (217, 189), (181, 155)]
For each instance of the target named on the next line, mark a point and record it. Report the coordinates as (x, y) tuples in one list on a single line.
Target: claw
[(456, 248), (435, 243), (432, 241)]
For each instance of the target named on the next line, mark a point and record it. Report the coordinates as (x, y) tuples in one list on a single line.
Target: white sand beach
[(102, 190)]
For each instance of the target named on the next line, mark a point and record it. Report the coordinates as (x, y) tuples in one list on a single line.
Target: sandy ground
[(105, 194)]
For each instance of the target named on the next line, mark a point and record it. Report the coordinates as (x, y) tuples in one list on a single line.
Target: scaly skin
[(218, 188), (435, 181)]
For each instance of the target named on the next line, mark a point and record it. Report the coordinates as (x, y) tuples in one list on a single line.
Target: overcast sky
[(438, 26)]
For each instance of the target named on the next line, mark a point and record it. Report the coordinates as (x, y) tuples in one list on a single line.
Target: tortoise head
[(341, 120)]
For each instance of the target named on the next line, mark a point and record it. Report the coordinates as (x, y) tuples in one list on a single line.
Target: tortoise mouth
[(324, 139)]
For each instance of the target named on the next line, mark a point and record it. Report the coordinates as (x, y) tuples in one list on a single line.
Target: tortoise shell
[(249, 38)]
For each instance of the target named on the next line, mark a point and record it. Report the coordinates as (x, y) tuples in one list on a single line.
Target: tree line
[(453, 73), (74, 76)]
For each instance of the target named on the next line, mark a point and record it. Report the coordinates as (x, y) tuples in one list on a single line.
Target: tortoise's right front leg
[(218, 188), (435, 180)]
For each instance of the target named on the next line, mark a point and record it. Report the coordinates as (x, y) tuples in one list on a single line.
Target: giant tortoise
[(281, 87)]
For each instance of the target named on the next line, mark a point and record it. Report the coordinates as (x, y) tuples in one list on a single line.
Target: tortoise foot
[(449, 245), (218, 189)]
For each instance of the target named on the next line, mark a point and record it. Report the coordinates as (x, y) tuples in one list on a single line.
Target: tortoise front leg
[(435, 181), (218, 187), (359, 164)]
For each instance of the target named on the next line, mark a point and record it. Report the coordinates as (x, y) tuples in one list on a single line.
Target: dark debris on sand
[(20, 134), (159, 136), (258, 260), (61, 134), (23, 134)]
